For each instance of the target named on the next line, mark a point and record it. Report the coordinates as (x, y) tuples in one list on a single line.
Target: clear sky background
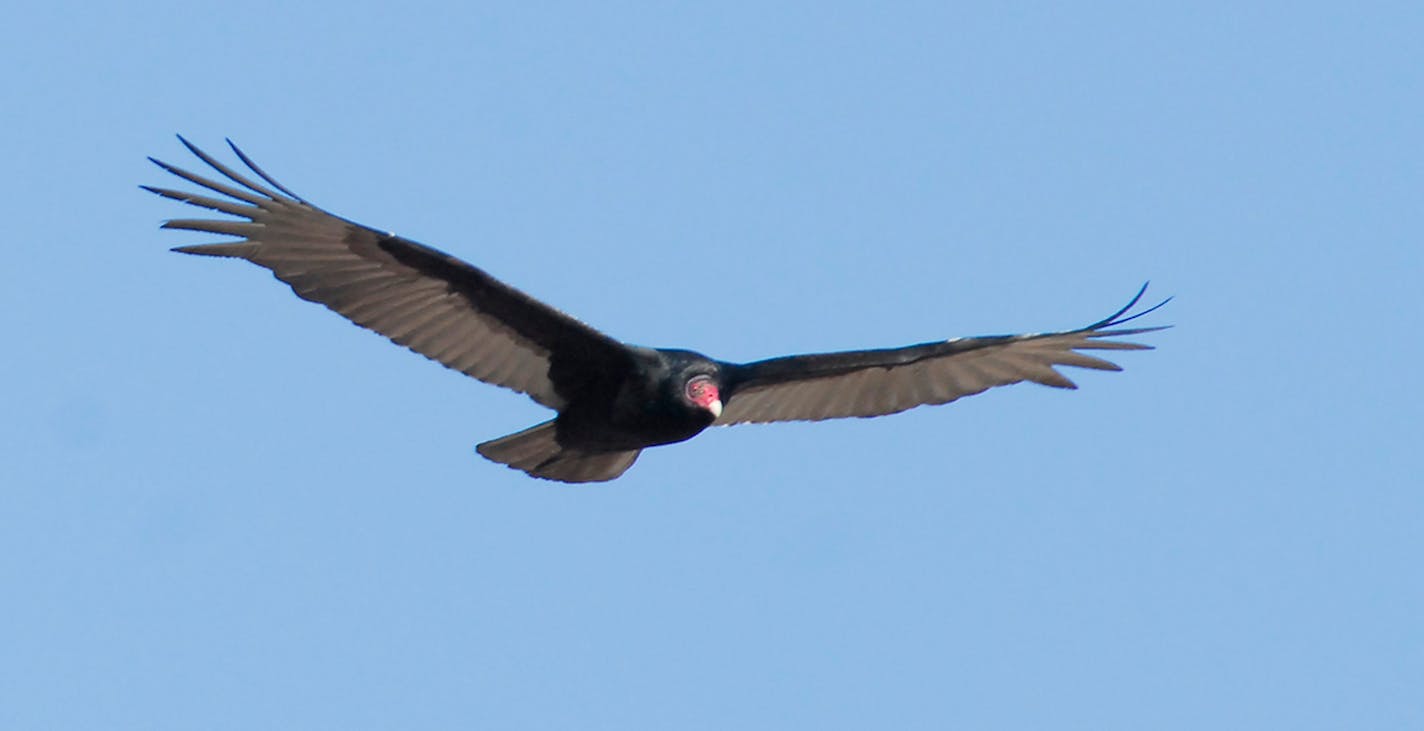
[(226, 508)]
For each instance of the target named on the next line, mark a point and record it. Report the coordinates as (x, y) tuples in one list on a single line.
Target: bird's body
[(644, 408), (613, 399)]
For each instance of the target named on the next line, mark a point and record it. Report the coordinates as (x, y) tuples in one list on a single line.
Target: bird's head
[(701, 391)]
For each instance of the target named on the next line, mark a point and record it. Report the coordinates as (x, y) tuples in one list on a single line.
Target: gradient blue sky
[(225, 508)]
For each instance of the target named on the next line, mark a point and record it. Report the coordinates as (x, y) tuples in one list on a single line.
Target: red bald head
[(702, 392)]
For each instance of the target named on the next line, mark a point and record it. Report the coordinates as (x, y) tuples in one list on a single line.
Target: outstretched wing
[(424, 299), (878, 382)]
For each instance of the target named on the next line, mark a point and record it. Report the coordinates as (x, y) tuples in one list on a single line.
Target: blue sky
[(225, 508)]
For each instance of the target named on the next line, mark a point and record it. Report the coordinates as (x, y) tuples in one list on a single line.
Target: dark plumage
[(612, 399)]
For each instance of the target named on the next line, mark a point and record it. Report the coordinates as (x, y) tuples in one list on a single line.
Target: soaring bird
[(613, 399)]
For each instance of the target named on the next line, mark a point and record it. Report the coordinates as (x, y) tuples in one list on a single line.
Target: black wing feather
[(422, 298)]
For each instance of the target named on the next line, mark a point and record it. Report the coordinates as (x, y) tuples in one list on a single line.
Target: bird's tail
[(537, 452)]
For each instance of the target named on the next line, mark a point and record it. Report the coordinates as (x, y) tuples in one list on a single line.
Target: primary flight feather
[(613, 399)]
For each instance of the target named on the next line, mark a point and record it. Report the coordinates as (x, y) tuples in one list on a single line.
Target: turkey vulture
[(613, 399)]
